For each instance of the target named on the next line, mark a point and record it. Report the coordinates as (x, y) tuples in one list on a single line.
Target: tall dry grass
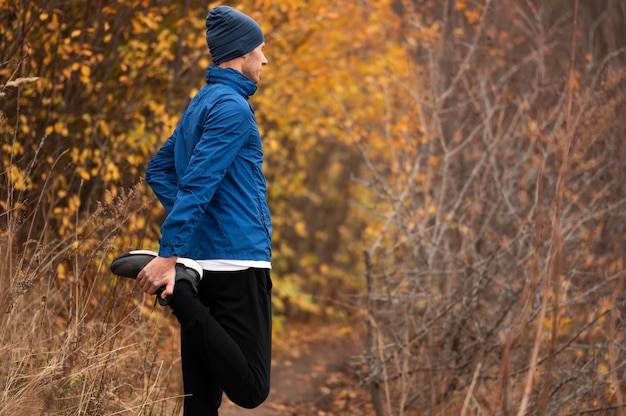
[(75, 340)]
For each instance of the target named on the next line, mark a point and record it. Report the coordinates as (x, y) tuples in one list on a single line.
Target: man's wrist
[(170, 259)]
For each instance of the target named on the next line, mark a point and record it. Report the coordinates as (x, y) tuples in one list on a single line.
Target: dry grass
[(75, 340)]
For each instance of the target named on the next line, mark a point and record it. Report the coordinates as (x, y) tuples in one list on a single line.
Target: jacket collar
[(232, 78)]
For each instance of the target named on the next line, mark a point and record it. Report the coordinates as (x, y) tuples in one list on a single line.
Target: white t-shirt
[(233, 265)]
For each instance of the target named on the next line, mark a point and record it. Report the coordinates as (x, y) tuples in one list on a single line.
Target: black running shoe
[(131, 263)]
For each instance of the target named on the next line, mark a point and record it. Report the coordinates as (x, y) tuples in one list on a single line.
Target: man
[(208, 177)]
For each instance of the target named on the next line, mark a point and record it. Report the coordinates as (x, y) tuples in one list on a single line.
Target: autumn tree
[(495, 266), (111, 82)]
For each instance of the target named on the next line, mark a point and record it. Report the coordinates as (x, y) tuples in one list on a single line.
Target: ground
[(312, 375)]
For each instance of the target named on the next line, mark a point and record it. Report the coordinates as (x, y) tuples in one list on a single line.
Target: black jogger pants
[(227, 348)]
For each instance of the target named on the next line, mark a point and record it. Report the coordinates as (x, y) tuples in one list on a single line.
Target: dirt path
[(311, 375)]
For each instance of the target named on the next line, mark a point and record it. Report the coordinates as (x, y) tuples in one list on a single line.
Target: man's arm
[(223, 134), (161, 174)]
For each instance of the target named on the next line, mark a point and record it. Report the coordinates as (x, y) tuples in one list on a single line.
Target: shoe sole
[(131, 263)]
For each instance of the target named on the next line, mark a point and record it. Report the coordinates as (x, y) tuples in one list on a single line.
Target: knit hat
[(231, 34)]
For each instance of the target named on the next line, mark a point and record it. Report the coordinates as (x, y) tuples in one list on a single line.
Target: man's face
[(253, 63)]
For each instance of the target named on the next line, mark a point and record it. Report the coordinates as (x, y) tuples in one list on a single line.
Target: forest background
[(446, 178)]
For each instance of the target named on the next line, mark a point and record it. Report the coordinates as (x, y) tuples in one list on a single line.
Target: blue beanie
[(231, 34)]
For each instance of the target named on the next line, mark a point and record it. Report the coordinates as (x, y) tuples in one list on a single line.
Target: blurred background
[(447, 182)]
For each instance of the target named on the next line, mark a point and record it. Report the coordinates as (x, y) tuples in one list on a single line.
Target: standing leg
[(203, 394)]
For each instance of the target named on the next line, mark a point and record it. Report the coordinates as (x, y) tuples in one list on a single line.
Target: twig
[(471, 389)]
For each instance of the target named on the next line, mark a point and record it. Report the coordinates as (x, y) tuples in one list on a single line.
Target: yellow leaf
[(83, 174), (73, 203), (300, 228), (61, 271)]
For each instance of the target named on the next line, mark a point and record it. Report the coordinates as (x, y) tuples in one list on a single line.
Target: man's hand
[(159, 272)]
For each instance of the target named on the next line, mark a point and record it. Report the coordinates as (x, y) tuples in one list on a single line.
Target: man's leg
[(203, 394), (228, 326), (241, 303)]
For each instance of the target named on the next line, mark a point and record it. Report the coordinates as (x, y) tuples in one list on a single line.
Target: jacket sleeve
[(161, 174), (223, 134)]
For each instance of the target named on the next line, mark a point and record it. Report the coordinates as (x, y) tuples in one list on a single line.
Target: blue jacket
[(208, 176)]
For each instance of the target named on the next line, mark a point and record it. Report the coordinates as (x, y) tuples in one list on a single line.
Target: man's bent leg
[(241, 303), (232, 337)]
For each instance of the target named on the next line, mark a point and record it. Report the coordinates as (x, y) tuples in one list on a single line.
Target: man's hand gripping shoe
[(131, 263)]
